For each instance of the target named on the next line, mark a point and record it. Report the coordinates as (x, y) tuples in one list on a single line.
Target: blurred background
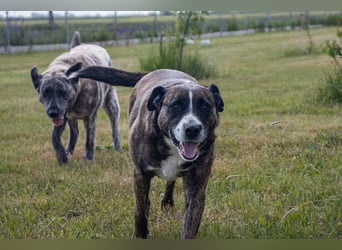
[(24, 31)]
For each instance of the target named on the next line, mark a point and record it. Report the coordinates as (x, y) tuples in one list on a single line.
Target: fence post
[(155, 31), (67, 30), (161, 45), (246, 22), (116, 27), (220, 22), (307, 19), (290, 20), (268, 22), (8, 45)]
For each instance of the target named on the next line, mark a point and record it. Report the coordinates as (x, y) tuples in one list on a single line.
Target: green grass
[(277, 171)]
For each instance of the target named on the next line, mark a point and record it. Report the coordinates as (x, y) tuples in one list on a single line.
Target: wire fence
[(19, 34)]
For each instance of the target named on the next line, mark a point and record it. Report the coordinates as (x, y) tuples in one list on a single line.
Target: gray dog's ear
[(71, 72), (35, 77), (217, 97), (155, 98)]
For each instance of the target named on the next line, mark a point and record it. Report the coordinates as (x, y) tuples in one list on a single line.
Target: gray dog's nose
[(53, 113), (193, 131)]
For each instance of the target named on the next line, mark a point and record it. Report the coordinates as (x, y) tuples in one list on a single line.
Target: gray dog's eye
[(47, 93), (61, 93)]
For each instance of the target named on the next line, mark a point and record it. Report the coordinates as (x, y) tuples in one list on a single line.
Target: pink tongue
[(58, 121), (190, 149)]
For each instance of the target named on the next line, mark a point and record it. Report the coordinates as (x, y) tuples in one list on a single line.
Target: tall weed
[(174, 55), (331, 92)]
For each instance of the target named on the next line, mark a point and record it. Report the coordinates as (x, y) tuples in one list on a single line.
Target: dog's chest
[(170, 167)]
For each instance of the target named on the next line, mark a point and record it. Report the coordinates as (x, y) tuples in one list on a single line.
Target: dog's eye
[(61, 93), (176, 107), (204, 106), (47, 93)]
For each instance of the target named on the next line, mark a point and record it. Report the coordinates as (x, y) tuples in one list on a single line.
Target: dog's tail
[(76, 40), (112, 76)]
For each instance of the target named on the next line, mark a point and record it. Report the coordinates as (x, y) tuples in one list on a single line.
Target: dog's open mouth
[(58, 121), (188, 150)]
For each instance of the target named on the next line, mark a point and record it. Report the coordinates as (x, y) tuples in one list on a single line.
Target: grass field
[(277, 172)]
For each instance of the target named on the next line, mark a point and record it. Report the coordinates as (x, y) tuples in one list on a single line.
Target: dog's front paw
[(166, 202), (69, 151), (117, 145), (118, 148), (89, 156), (62, 158)]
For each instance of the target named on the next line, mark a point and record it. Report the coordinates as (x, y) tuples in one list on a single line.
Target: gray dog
[(67, 98), (172, 120)]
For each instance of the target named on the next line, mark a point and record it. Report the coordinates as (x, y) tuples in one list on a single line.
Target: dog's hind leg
[(142, 183), (57, 143), (73, 126), (112, 109), (90, 129), (168, 195)]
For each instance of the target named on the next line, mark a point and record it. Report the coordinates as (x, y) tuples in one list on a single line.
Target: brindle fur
[(149, 123), (65, 97)]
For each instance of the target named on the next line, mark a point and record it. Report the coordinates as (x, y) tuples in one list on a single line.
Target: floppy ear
[(73, 78), (217, 97), (155, 98), (35, 77)]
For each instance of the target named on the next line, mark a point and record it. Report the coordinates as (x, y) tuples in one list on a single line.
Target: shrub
[(232, 24), (213, 27), (166, 58), (174, 56), (193, 63), (331, 92)]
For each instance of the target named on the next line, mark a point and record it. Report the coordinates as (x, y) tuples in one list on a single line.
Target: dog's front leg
[(194, 189), (168, 195), (142, 184), (90, 128), (57, 143), (73, 126)]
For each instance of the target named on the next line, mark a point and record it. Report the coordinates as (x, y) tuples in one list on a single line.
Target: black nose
[(193, 131), (53, 113)]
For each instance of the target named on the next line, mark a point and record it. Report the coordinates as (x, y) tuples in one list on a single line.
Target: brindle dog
[(172, 120), (67, 98)]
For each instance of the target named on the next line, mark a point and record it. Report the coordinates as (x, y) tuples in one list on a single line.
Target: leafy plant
[(188, 22), (332, 91), (334, 48), (173, 54)]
